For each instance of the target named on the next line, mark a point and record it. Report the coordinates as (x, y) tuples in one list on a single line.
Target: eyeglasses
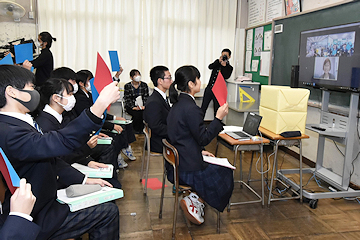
[(168, 78)]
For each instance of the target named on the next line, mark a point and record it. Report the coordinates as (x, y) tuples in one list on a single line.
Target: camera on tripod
[(10, 46)]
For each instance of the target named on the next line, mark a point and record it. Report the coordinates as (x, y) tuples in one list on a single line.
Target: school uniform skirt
[(214, 184)]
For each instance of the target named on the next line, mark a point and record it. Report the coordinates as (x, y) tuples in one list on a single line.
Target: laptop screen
[(252, 124)]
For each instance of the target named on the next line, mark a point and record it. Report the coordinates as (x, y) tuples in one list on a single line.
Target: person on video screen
[(327, 68)]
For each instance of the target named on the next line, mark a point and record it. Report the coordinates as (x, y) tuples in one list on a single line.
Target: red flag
[(219, 89), (102, 75)]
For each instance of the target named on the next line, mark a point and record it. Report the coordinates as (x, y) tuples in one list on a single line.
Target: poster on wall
[(259, 36), (274, 9), (267, 41), (256, 12), (292, 6), (249, 39)]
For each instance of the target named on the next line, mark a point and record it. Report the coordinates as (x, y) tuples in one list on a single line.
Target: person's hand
[(136, 108), (118, 73), (223, 63), (101, 182), (103, 135), (108, 95), (97, 165), (120, 118), (22, 200), (206, 153), (93, 141), (8, 52), (118, 128), (222, 111), (28, 65)]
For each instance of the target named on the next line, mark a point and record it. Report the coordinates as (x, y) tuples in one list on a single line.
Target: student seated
[(125, 134), (20, 139), (132, 90), (19, 224), (57, 97), (157, 107), (188, 134)]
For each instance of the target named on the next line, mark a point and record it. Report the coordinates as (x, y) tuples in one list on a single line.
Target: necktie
[(167, 101), (37, 127)]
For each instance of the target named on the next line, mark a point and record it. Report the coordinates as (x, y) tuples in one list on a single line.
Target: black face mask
[(34, 99)]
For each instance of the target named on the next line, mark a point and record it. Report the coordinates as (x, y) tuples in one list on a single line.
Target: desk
[(248, 145), (281, 141)]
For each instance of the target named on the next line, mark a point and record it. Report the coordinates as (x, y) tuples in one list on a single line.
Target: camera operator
[(219, 65)]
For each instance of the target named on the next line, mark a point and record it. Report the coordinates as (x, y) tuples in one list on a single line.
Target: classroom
[(137, 109)]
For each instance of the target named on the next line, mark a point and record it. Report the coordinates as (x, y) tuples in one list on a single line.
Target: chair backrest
[(170, 154), (147, 130)]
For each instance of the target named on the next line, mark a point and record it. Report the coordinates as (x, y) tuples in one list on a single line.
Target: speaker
[(294, 76)]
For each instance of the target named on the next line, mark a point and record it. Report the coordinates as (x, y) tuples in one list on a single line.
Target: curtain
[(145, 33)]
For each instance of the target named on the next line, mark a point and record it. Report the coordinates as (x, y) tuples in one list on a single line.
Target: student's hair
[(156, 73), (46, 37), (63, 72), (226, 50), (87, 72), (183, 76), (82, 77), (327, 60), (15, 76), (53, 86), (134, 72)]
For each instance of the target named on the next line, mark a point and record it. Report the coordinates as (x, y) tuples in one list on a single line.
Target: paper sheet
[(249, 39), (218, 161), (7, 60), (259, 36), (267, 41), (265, 63), (231, 129), (274, 9), (256, 12), (248, 61), (139, 101), (23, 52), (254, 65)]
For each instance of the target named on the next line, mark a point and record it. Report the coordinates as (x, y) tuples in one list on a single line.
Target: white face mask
[(70, 104), (88, 88), (137, 78), (76, 88)]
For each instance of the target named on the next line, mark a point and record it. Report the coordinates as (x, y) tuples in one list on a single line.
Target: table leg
[(301, 173), (273, 171), (262, 175)]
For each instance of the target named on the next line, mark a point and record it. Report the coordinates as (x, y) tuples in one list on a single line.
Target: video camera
[(224, 58), (10, 46)]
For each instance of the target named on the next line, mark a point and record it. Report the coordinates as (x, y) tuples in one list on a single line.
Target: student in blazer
[(20, 140), (157, 107), (187, 132)]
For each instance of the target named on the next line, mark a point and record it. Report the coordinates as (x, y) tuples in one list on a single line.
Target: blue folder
[(114, 58)]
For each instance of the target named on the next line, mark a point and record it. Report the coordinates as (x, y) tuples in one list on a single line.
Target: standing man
[(157, 107), (219, 65)]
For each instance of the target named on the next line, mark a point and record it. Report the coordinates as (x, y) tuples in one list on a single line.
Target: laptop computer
[(250, 128)]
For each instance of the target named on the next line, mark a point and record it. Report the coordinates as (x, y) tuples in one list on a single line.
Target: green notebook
[(95, 172), (121, 121), (106, 194)]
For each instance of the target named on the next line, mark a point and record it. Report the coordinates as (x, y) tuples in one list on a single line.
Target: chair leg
[(218, 221), (147, 168), (162, 195), (176, 203), (142, 162)]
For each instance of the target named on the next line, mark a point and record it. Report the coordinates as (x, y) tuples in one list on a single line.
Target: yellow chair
[(171, 156), (146, 157)]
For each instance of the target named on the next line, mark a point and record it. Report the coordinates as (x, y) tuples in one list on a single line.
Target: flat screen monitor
[(329, 58)]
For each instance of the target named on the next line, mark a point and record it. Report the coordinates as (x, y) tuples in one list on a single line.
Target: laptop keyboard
[(241, 134)]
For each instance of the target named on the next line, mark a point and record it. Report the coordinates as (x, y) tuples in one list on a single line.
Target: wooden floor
[(332, 219)]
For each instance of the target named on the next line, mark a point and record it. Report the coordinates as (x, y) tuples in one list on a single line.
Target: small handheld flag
[(219, 89), (7, 170)]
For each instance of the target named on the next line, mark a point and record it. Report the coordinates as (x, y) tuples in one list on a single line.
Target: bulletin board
[(256, 57)]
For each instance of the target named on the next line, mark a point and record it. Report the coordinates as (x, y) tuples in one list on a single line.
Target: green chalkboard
[(286, 44), (256, 77)]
